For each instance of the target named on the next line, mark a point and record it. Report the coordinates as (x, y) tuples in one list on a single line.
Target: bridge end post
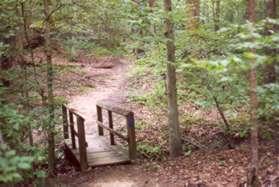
[(100, 119), (131, 136), (82, 144)]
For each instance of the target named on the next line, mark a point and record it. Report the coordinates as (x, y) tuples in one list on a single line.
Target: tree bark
[(1, 138), (205, 12), (193, 14), (270, 70), (217, 9), (51, 141), (151, 3), (271, 8), (26, 76), (175, 146), (253, 173)]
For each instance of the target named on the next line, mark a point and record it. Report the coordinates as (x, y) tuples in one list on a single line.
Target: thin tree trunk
[(253, 173), (217, 14), (151, 4), (227, 125), (1, 138), (30, 134), (271, 8), (193, 22), (193, 14), (205, 13), (51, 141), (270, 70), (173, 121)]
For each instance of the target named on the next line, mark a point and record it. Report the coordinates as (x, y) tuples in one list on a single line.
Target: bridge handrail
[(68, 122), (129, 115), (113, 108)]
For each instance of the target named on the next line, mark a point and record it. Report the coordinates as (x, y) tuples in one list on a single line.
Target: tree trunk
[(217, 9), (51, 141), (26, 76), (173, 121), (253, 173), (271, 8), (205, 12), (151, 3), (270, 70), (1, 139), (193, 14)]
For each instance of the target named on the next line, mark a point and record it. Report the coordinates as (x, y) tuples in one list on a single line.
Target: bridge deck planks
[(101, 153)]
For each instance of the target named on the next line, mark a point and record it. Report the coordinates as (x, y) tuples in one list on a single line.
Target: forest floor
[(109, 78)]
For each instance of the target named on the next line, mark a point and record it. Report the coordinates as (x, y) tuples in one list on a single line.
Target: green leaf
[(40, 174), (249, 55), (10, 153), (24, 165)]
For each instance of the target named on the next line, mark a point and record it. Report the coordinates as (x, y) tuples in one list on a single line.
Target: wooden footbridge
[(85, 151)]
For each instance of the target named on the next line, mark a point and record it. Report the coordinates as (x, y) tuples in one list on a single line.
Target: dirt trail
[(109, 86)]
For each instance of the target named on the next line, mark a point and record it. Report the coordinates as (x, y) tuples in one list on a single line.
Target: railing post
[(100, 119), (72, 130), (112, 142), (82, 144), (65, 122), (131, 136)]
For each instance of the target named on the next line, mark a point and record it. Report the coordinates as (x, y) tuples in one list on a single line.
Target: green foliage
[(13, 166), (16, 167), (213, 66), (60, 100), (140, 125), (153, 99), (79, 47), (16, 164), (265, 134), (187, 151), (269, 100), (13, 123), (148, 150)]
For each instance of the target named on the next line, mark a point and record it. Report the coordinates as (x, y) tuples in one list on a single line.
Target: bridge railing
[(69, 124), (130, 121)]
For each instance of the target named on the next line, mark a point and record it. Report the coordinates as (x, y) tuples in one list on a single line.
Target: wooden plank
[(70, 155), (112, 108), (131, 136), (116, 155), (75, 133), (112, 141), (76, 113), (82, 144), (65, 122), (105, 157), (109, 155), (108, 158), (112, 131), (100, 119)]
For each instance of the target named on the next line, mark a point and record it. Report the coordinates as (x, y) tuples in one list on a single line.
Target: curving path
[(108, 87)]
